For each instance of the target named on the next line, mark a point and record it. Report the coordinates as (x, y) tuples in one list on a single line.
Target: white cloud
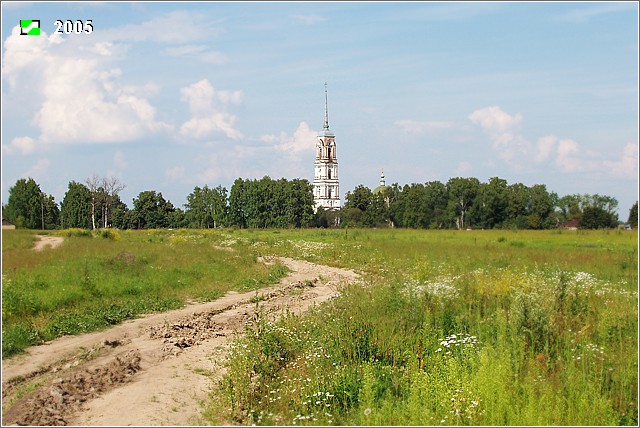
[(627, 166), (494, 120), (501, 128), (207, 107), (567, 159), (25, 54), (545, 147), (198, 127), (147, 90), (79, 101), (25, 145), (302, 141), (107, 49)]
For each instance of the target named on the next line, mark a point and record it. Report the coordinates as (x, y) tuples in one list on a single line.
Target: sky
[(167, 96)]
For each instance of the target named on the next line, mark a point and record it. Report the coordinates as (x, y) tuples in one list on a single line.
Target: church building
[(326, 188)]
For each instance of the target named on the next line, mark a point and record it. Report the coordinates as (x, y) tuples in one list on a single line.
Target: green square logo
[(30, 27)]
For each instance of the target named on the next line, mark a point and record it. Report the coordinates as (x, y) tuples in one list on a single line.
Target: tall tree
[(356, 203), (415, 206), (594, 217), (49, 212), (237, 203), (490, 209), (93, 184), (111, 186), (540, 207), (25, 206), (633, 215), (462, 192), (75, 209), (436, 197), (570, 207), (152, 211), (206, 207), (517, 206)]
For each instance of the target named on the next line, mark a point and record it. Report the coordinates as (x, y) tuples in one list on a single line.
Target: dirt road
[(47, 241), (156, 370)]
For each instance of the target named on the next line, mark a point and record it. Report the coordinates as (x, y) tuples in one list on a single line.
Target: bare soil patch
[(48, 241), (155, 370)]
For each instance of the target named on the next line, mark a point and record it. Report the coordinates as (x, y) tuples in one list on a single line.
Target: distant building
[(326, 187), (571, 224), (382, 187), (382, 191)]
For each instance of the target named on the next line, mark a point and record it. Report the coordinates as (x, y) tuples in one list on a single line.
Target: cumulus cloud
[(494, 120), (24, 145), (502, 130), (303, 140), (567, 158), (107, 49), (627, 166), (81, 100), (207, 106), (545, 147)]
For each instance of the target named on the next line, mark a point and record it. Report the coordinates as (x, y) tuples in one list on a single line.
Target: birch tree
[(111, 187)]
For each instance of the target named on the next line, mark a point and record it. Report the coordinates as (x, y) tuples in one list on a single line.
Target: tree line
[(463, 203), (460, 203)]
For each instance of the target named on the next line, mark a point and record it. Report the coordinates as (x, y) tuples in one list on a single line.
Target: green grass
[(452, 328), (94, 280), (545, 322)]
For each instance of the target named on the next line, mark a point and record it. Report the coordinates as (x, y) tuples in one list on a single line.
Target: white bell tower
[(326, 188)]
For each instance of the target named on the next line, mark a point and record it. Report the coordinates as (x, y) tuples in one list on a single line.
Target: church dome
[(326, 133), (382, 187)]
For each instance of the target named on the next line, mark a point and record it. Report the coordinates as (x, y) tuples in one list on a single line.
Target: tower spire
[(326, 108)]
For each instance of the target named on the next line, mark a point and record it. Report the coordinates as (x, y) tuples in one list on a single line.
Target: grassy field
[(448, 327), (451, 328), (93, 281)]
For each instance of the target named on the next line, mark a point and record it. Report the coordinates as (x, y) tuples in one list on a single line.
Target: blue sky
[(167, 96)]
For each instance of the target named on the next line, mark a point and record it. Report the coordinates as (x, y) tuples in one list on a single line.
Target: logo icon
[(30, 27)]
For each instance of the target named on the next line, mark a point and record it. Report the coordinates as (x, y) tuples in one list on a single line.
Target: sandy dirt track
[(155, 370), (47, 241)]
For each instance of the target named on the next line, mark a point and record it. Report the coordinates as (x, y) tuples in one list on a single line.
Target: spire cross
[(326, 108)]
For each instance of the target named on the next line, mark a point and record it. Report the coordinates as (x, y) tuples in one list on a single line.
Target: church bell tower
[(326, 188)]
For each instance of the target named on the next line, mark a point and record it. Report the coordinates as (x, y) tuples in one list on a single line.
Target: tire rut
[(155, 370)]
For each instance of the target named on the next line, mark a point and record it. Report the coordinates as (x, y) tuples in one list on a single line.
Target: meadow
[(446, 328)]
